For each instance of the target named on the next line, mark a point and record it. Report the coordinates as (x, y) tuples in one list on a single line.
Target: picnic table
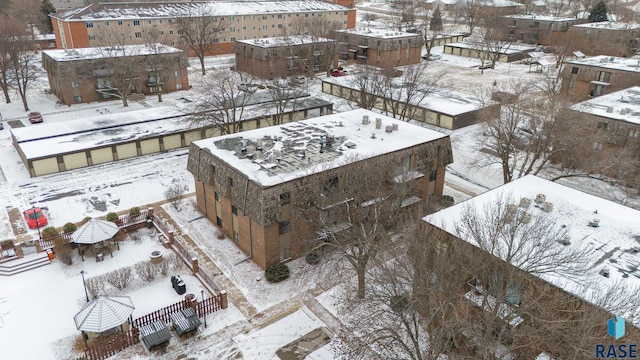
[(154, 333), (185, 320)]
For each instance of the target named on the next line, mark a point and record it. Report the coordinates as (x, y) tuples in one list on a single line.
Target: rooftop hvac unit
[(548, 207), (510, 212), (605, 272), (566, 240), (594, 223), (395, 126), (365, 119), (541, 198), (378, 123), (526, 218), (525, 202), (609, 109), (388, 128)]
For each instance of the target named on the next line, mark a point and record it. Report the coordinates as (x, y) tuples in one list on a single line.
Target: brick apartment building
[(243, 20), (256, 184), (86, 75), (511, 286), (538, 29), (605, 38), (607, 130), (380, 48), (285, 56), (598, 75)]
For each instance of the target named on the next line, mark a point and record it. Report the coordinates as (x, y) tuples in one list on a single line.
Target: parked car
[(485, 66), (337, 72), (1, 125), (431, 57), (35, 117), (35, 217)]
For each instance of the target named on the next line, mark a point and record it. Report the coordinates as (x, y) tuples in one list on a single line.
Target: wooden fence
[(106, 347), (208, 306)]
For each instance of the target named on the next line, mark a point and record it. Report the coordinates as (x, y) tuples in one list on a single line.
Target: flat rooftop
[(614, 245), (609, 25), (379, 33), (610, 62), (109, 52), (285, 41), (443, 101), (507, 48), (623, 105), (159, 10), (541, 18), (277, 154)]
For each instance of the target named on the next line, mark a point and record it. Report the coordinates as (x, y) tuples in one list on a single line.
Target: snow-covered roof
[(378, 33), (613, 244), (136, 10), (609, 25), (104, 313), (109, 52), (285, 41), (541, 17), (487, 3), (507, 48), (621, 105), (443, 101), (298, 149), (610, 62)]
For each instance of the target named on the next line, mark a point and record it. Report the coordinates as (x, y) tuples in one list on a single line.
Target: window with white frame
[(634, 133), (596, 145), (75, 84)]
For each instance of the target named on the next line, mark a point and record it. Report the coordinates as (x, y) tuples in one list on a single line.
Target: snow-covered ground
[(40, 304)]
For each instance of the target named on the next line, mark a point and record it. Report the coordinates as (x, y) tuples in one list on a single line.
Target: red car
[(337, 73), (35, 218), (35, 117)]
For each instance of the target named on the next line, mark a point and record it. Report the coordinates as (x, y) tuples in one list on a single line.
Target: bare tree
[(221, 101), (7, 27), (520, 132), (156, 59), (22, 59), (368, 17), (369, 82), (200, 30)]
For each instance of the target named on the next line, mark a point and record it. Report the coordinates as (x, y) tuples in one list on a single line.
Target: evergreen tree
[(45, 25), (599, 13), (436, 20)]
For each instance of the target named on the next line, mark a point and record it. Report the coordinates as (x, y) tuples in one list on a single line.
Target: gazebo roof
[(94, 231), (104, 313)]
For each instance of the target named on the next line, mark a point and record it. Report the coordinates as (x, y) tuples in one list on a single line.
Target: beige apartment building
[(134, 22), (599, 75), (380, 48)]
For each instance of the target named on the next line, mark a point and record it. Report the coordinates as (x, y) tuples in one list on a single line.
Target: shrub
[(276, 272), (85, 220), (69, 228), (175, 262), (146, 270), (49, 232), (399, 303), (134, 211), (112, 217), (95, 285), (313, 257), (162, 267), (446, 200), (120, 278)]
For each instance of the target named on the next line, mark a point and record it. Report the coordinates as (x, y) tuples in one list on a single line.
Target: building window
[(284, 227), (236, 236), (106, 23), (604, 76), (574, 70), (119, 22), (596, 145), (180, 32), (279, 26), (179, 86), (231, 182), (75, 84), (621, 174), (234, 210), (216, 196), (159, 21), (432, 175), (634, 133), (92, 37), (330, 184), (89, 24), (218, 221), (136, 22), (170, 32), (138, 34), (77, 99), (233, 38), (285, 198), (279, 16), (602, 125), (149, 21)]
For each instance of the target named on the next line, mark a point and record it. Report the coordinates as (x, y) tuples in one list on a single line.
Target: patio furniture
[(154, 333), (185, 320)]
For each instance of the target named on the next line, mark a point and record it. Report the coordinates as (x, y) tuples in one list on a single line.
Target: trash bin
[(178, 284), (149, 222), (50, 254)]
